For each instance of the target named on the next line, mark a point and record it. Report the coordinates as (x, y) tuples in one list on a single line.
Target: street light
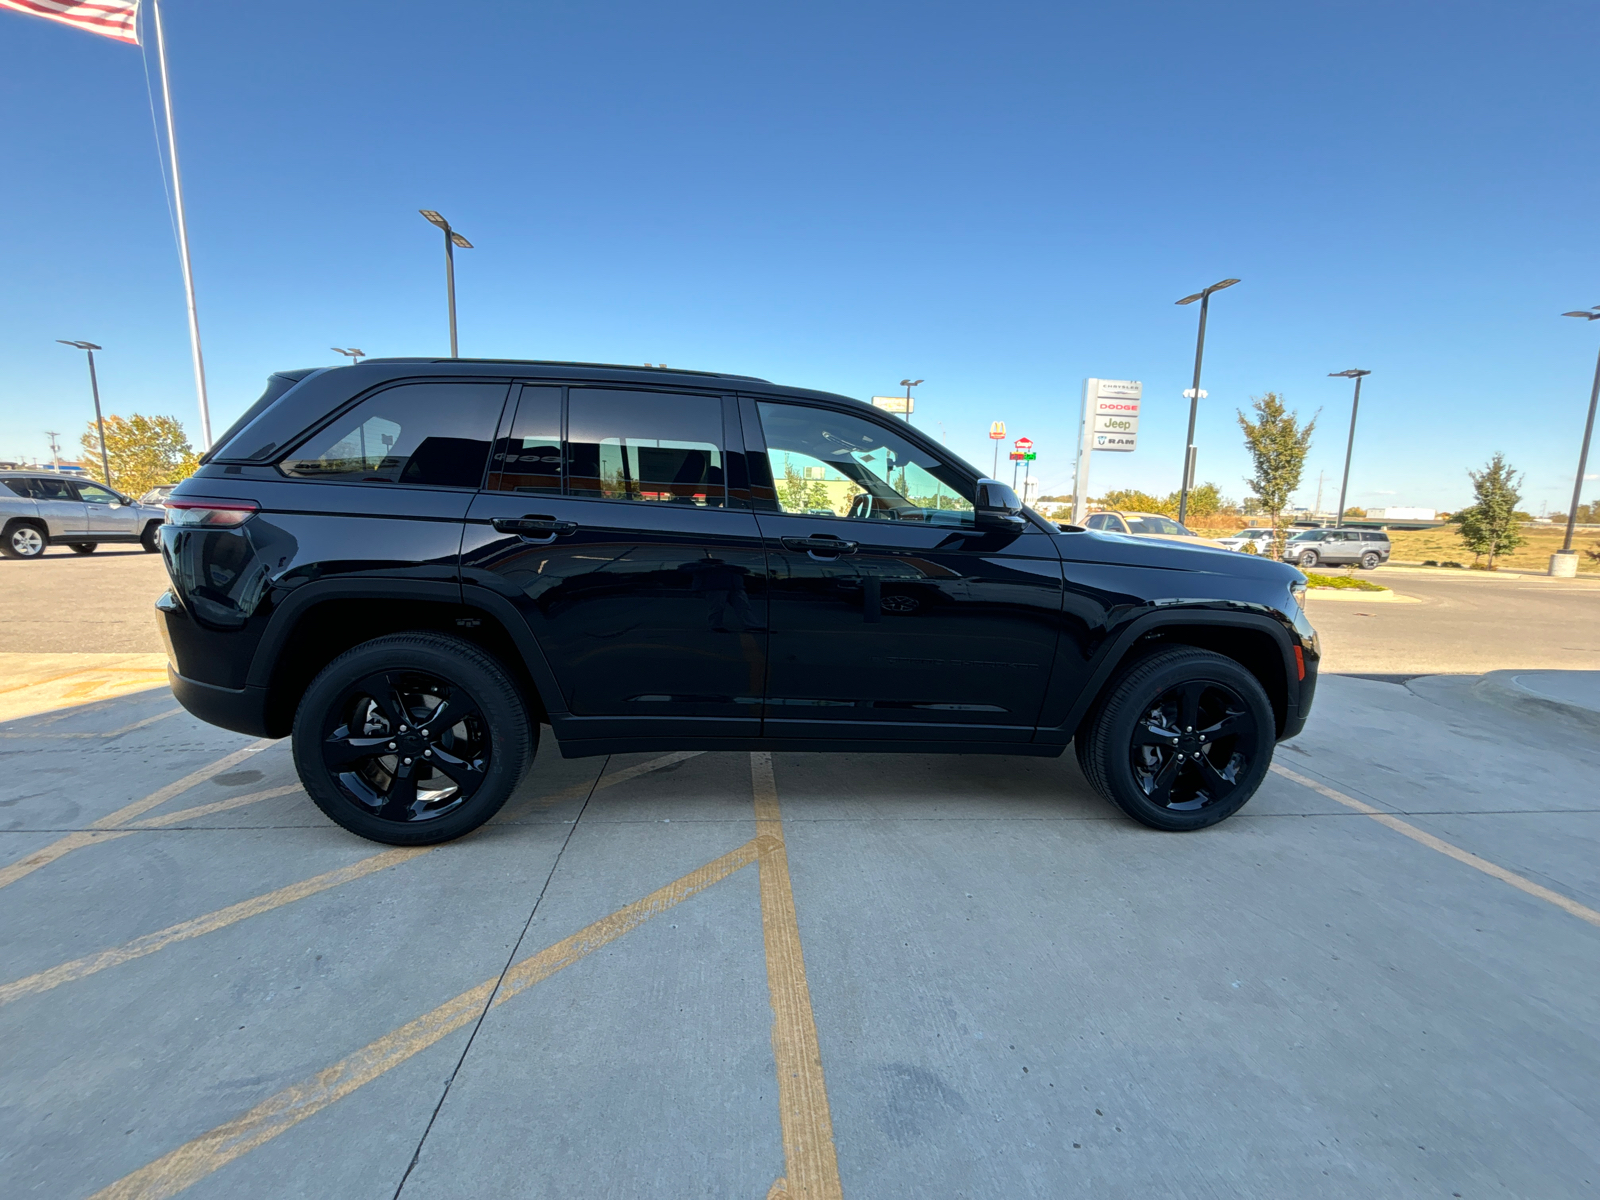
[(354, 354), (1349, 445), (908, 384), (1588, 430), (451, 240), (94, 384), (1204, 297)]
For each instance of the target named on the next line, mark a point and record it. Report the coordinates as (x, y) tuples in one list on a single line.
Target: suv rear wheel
[(84, 547), (1183, 739), (23, 540), (412, 739), (150, 539), (1370, 560)]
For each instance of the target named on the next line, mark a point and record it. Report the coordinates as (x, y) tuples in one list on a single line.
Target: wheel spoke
[(342, 751), (467, 775), (1160, 790), (383, 692), (400, 804), (1146, 733), (451, 711), (1189, 705), (1232, 722), (1215, 782)]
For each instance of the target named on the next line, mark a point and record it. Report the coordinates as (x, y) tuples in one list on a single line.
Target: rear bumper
[(243, 710)]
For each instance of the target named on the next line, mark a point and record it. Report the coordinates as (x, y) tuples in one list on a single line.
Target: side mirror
[(996, 506)]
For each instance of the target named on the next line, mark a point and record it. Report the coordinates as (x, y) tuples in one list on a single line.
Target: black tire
[(1141, 754), (473, 764), (1370, 561), (23, 539), (1307, 559), (149, 539), (83, 547)]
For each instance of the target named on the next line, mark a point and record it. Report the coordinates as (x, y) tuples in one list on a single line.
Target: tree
[(144, 452), (1355, 512), (792, 491), (1278, 444), (1489, 526), (1204, 501), (1133, 500)]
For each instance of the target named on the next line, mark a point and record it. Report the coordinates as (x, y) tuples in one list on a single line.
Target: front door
[(59, 505), (608, 521), (894, 615), (106, 512)]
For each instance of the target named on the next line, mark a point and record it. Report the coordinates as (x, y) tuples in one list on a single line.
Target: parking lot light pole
[(1204, 297), (354, 355), (1588, 431), (908, 384), (94, 386), (1349, 445), (451, 240)]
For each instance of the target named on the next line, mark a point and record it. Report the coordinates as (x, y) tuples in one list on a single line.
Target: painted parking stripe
[(1564, 903), (74, 841), (82, 968), (811, 1163), (194, 1160), (161, 716)]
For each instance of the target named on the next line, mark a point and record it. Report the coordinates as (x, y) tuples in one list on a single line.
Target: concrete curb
[(1505, 689)]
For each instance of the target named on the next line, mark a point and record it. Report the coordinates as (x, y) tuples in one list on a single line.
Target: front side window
[(93, 493), (827, 463), (645, 446), (1104, 521), (1157, 525), (414, 435)]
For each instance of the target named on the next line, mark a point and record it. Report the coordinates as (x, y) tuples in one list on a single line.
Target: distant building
[(1403, 514), (1030, 490)]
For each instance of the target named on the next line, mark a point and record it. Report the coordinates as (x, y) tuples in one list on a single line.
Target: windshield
[(1159, 525)]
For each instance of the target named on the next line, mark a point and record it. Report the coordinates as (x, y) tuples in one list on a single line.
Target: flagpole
[(183, 237)]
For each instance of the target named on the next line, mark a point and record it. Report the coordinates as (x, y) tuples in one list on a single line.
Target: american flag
[(109, 18)]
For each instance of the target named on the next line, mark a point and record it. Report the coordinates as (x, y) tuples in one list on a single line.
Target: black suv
[(413, 564)]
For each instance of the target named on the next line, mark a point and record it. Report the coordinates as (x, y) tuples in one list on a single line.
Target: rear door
[(63, 512), (609, 522), (893, 615)]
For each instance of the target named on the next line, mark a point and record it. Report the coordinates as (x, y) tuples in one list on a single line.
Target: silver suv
[(1364, 547), (40, 510)]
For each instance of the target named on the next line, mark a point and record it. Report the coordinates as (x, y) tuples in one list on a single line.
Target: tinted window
[(19, 486), (415, 435), (529, 460), (1102, 521), (93, 493), (836, 464), (648, 446), (51, 489)]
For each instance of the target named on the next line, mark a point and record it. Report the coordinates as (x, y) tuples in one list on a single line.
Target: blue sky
[(1000, 199)]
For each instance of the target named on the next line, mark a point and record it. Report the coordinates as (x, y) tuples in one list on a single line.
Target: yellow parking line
[(579, 790), (171, 712), (811, 1163), (74, 841), (81, 968), (194, 1160), (216, 806), (1564, 903)]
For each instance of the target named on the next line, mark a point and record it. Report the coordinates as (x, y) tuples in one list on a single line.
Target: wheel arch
[(320, 621), (1258, 643)]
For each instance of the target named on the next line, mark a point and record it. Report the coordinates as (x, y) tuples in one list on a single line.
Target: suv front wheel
[(1307, 559), (412, 739), (1183, 739)]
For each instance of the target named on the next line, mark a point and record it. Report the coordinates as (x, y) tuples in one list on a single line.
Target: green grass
[(1346, 582)]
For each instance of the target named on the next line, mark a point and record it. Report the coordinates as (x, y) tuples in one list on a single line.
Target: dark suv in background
[(413, 564)]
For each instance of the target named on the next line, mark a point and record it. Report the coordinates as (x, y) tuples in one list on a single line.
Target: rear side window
[(529, 459), (1103, 521), (51, 489), (645, 446), (16, 486), (414, 435)]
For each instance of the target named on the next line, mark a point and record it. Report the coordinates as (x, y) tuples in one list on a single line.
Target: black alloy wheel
[(84, 547), (1182, 742), (1370, 561), (23, 540), (1308, 558), (412, 739)]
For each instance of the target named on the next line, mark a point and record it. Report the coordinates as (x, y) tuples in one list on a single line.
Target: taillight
[(214, 514)]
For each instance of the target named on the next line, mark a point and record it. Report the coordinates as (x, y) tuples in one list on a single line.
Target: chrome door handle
[(820, 545)]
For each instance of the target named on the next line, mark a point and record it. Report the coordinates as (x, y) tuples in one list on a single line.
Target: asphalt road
[(98, 603), (1461, 622)]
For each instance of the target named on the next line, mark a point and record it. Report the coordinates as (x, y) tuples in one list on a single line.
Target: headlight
[(1298, 592)]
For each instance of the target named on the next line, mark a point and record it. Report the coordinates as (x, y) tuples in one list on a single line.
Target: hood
[(1092, 546)]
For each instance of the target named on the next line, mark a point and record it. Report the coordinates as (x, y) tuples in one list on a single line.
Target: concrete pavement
[(1014, 990)]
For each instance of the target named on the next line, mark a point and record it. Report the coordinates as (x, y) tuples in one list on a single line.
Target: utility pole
[(1583, 454), (1204, 296), (55, 448)]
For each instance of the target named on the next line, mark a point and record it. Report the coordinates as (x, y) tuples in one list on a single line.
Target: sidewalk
[(1571, 695)]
